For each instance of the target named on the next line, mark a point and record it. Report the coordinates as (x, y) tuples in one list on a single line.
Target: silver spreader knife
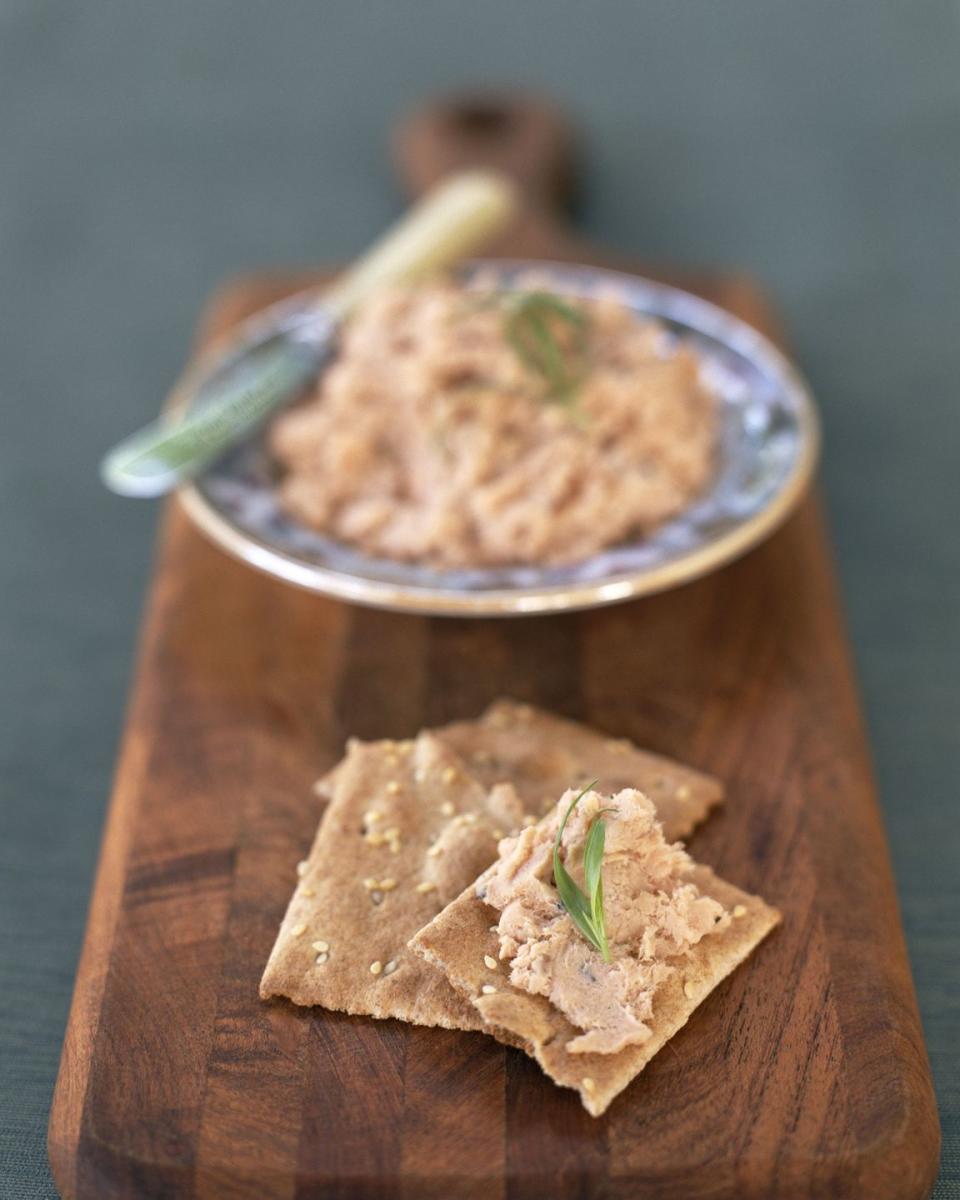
[(229, 392)]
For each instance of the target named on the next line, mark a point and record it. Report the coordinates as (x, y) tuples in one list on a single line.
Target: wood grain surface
[(805, 1074)]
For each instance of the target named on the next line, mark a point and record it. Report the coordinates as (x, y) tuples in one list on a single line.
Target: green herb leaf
[(585, 910), (534, 325), (548, 335), (592, 861), (576, 904)]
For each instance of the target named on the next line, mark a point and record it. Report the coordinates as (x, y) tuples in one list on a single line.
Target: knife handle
[(456, 218)]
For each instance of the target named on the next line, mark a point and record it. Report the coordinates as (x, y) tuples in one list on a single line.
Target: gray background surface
[(146, 150)]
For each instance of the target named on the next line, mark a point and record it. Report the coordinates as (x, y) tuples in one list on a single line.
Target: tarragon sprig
[(585, 909), (534, 320), (549, 336)]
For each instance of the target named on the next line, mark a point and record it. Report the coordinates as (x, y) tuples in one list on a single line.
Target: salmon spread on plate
[(462, 428)]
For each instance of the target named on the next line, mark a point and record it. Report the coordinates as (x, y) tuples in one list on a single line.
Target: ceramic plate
[(769, 441)]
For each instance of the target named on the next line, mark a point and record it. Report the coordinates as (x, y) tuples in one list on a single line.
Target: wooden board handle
[(523, 136)]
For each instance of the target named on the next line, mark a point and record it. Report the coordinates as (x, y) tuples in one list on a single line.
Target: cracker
[(406, 830), (458, 940), (542, 755)]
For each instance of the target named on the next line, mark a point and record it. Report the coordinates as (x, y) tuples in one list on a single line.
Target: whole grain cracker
[(388, 855), (458, 940), (542, 755)]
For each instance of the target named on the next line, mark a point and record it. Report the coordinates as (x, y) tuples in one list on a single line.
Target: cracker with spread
[(592, 1000)]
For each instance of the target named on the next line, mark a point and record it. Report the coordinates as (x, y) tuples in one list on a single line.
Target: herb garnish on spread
[(585, 910), (654, 916), (551, 337)]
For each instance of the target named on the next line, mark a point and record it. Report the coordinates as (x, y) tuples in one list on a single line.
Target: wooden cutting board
[(805, 1074)]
